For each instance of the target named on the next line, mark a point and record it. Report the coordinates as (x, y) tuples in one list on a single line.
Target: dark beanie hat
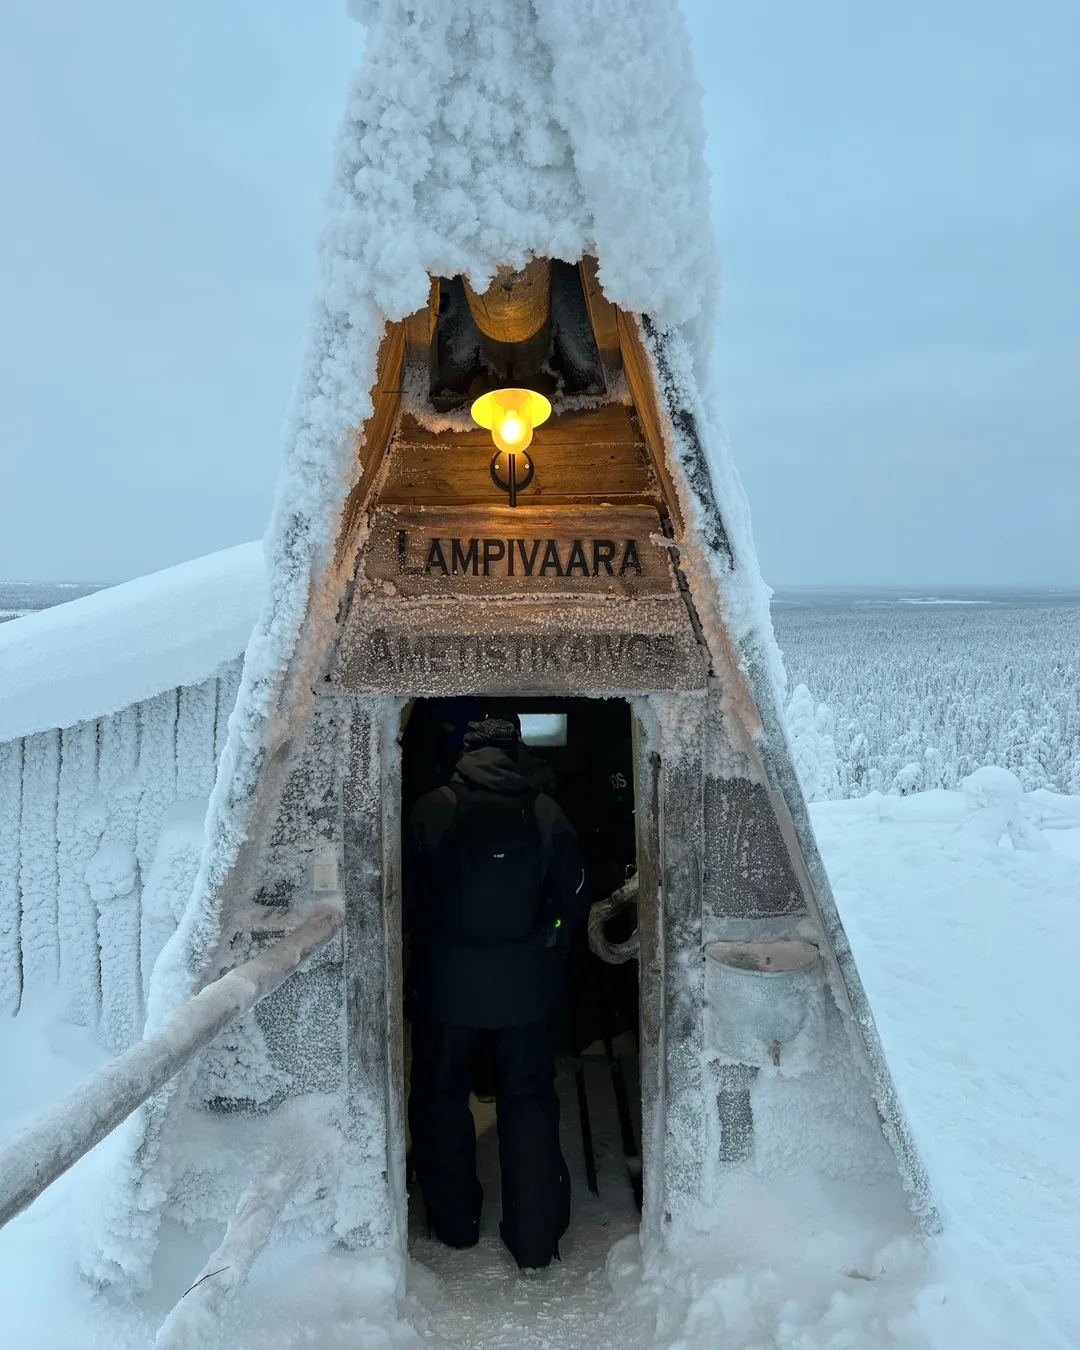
[(496, 731)]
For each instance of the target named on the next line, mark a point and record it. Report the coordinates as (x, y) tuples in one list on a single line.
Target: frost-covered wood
[(682, 786), (101, 827), (11, 763), (650, 961), (371, 955), (722, 563), (196, 1319), (34, 1158)]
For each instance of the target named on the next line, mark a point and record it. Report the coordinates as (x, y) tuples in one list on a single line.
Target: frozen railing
[(33, 1159)]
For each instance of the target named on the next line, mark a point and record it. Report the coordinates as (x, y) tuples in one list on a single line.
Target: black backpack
[(491, 867)]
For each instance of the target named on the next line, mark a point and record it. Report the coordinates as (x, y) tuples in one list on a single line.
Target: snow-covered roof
[(94, 656), (481, 132), (476, 135)]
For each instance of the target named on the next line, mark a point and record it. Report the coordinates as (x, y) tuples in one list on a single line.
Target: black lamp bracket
[(511, 472)]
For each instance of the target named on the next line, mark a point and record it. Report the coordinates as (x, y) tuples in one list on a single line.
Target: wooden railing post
[(33, 1159)]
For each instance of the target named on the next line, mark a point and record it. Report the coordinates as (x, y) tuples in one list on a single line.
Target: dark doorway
[(583, 754)]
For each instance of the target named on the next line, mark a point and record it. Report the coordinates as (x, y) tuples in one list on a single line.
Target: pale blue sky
[(896, 193)]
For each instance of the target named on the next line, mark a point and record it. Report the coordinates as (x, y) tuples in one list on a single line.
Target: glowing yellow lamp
[(510, 415)]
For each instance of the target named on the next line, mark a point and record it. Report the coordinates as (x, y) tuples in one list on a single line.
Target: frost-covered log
[(196, 1319), (34, 1158)]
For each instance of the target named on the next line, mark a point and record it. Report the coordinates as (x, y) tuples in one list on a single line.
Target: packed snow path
[(571, 1304)]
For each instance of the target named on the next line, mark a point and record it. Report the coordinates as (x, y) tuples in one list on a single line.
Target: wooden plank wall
[(374, 436), (581, 458), (366, 1211)]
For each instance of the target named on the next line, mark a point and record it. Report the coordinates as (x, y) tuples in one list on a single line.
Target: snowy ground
[(960, 942)]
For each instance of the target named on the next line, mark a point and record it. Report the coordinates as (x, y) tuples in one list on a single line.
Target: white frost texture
[(100, 654), (113, 715)]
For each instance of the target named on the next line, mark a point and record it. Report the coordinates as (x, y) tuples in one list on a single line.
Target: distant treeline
[(901, 698)]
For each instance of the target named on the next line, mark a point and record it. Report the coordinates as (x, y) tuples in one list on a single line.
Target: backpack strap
[(438, 834), (543, 824)]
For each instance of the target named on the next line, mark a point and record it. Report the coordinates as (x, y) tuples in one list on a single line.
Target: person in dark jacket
[(495, 880)]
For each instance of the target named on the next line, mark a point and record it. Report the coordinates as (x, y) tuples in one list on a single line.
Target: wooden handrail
[(614, 953), (33, 1159)]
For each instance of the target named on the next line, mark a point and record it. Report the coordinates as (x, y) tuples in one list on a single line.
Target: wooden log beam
[(604, 317), (195, 1321), (420, 330), (374, 436), (639, 376), (516, 306)]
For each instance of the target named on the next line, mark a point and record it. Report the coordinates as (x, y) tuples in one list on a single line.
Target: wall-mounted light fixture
[(510, 415)]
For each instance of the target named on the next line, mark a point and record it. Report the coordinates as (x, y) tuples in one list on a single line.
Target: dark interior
[(596, 1027), (565, 359)]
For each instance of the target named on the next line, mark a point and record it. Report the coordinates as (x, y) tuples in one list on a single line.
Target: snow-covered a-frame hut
[(520, 200)]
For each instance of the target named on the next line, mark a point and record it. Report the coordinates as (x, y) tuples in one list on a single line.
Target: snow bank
[(95, 656), (980, 1035), (957, 934)]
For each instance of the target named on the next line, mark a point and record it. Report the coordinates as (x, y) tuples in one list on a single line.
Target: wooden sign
[(523, 551), (523, 647)]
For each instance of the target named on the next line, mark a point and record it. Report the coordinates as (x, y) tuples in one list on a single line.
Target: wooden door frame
[(373, 960)]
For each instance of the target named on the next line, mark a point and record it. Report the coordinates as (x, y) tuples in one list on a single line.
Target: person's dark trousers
[(442, 1130), (535, 1180)]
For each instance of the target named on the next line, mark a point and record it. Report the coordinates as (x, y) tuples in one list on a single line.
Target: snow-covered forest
[(900, 697)]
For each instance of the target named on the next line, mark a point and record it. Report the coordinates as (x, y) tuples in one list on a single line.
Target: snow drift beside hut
[(104, 652)]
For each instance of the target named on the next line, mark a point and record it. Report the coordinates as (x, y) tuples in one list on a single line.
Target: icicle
[(157, 770), (80, 823), (38, 878), (157, 783), (11, 764), (113, 878), (195, 747), (227, 685)]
